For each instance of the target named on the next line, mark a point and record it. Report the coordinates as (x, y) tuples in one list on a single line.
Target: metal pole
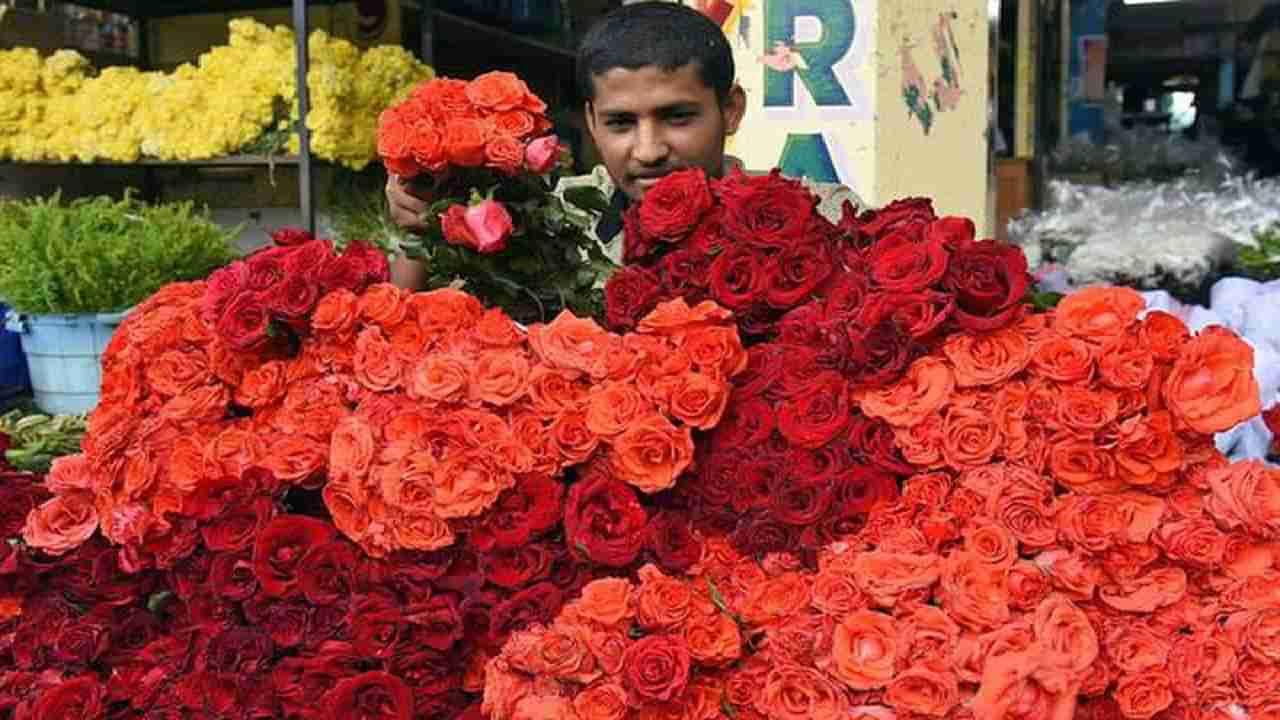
[(304, 106)]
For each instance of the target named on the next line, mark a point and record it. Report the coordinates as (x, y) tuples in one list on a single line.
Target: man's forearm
[(409, 274)]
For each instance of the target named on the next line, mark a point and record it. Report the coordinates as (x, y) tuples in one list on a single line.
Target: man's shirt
[(608, 231)]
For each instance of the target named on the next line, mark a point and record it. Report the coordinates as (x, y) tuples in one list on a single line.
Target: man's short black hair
[(656, 33)]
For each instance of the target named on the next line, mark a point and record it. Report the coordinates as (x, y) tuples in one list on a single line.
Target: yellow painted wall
[(825, 89), (176, 40)]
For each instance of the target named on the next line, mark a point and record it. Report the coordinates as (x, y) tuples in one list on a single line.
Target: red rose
[(231, 577), (570, 572), (738, 277), (240, 651), (290, 236), (672, 541), (306, 258), (814, 418), (280, 548), (81, 642), (656, 669), (862, 488), (222, 286), (636, 245), (675, 205), (266, 268), (19, 495), (800, 500), (989, 280), (515, 568), (763, 535), (878, 351), (919, 314), (796, 272), (81, 697), (377, 625), (630, 294), (768, 212), (369, 695), (346, 272), (521, 513), (535, 604), (235, 527), (245, 323), (913, 214), (287, 622), (709, 239), (329, 572), (604, 520), (376, 267), (951, 231), (901, 264), (428, 672), (747, 422), (755, 480), (684, 274), (295, 297), (436, 623), (873, 439)]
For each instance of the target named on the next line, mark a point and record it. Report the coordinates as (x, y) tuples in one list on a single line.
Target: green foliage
[(1262, 262), (357, 209), (99, 254)]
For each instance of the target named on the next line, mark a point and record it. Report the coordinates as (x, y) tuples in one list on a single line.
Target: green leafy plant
[(1262, 260), (101, 254)]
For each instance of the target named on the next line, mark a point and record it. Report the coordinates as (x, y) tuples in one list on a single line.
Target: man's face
[(650, 122)]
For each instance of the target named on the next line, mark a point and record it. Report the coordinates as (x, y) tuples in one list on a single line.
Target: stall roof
[(169, 8)]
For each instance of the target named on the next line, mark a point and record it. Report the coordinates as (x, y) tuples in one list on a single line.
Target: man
[(658, 79)]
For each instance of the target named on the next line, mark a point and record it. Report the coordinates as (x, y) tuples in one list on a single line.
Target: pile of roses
[(1069, 541), (363, 502)]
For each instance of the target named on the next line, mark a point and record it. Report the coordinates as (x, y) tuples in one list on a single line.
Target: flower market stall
[(774, 467)]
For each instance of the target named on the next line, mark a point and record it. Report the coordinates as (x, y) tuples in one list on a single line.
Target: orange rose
[(423, 531), (1137, 648), (927, 489), (351, 449), (499, 377), (383, 304), (573, 438), (924, 390), (439, 378), (469, 484), (262, 386), (652, 453), (72, 473), (716, 350), (1098, 313), (743, 688), (609, 647), (1211, 387), (61, 524), (296, 459), (407, 342), (1070, 572), (1155, 589), (612, 407), (1028, 585), (498, 91), (1148, 448), (924, 691), (177, 371), (675, 319), (1087, 411), (553, 391), (1063, 359), (1125, 365), (699, 400), (921, 444), (864, 650), (1143, 695), (1091, 522), (376, 366), (884, 576), (776, 599), (662, 602), (443, 312), (207, 403), (1262, 635), (1163, 334), (929, 635), (504, 688), (836, 594), (1063, 628), (969, 438), (1253, 678), (571, 343), (792, 692), (713, 640), (1246, 494), (987, 359), (1196, 541), (543, 707), (496, 329), (1084, 467), (605, 701), (992, 544), (606, 601), (974, 593), (346, 504)]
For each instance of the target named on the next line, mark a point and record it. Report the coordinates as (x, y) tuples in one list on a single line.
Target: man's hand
[(407, 206)]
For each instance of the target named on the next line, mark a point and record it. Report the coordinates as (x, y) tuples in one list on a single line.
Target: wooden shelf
[(228, 161)]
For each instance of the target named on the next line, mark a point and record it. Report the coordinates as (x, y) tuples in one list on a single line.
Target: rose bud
[(542, 155)]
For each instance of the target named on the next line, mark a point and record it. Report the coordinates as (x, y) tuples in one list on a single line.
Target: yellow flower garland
[(58, 109)]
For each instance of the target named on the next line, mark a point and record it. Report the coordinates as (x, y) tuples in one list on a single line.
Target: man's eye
[(682, 118), (618, 123)]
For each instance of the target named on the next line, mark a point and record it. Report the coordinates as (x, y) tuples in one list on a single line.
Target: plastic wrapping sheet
[(1172, 235)]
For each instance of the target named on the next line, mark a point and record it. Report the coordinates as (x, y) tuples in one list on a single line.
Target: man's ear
[(735, 107)]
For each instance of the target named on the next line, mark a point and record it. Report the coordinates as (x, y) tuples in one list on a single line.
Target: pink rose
[(542, 154), (490, 225)]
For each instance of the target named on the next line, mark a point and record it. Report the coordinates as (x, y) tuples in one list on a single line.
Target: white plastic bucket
[(64, 357)]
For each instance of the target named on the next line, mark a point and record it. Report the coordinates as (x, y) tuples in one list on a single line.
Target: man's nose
[(651, 148)]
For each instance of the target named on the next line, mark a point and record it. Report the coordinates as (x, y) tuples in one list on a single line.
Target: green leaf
[(1043, 301), (159, 601), (728, 708), (587, 198)]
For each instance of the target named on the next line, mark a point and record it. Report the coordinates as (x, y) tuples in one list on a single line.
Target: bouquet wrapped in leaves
[(480, 152)]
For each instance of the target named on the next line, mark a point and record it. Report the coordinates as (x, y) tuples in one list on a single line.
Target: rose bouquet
[(480, 152), (1081, 550)]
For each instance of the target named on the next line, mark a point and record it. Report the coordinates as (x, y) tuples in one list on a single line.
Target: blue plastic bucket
[(64, 357), (13, 364)]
